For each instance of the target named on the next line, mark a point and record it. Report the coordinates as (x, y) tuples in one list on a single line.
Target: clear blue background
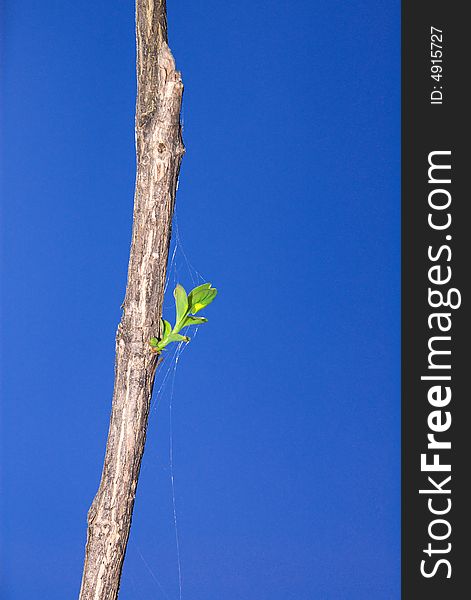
[(286, 405)]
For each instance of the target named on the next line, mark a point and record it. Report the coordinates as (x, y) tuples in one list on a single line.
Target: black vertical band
[(436, 268)]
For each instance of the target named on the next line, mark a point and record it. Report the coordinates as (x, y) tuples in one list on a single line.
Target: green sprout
[(186, 306)]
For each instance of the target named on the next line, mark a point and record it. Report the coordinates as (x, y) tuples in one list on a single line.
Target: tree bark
[(159, 149)]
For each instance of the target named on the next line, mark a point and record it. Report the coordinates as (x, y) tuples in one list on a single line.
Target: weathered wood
[(159, 150)]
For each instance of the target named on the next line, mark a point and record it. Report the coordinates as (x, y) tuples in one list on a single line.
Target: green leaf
[(198, 292), (166, 328), (200, 297), (154, 342), (176, 337), (199, 288), (190, 320), (181, 303)]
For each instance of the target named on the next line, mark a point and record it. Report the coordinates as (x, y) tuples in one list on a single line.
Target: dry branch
[(159, 150)]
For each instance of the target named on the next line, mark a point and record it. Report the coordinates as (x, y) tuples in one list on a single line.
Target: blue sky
[(285, 408)]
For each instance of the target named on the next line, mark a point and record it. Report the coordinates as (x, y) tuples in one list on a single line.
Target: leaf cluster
[(186, 307)]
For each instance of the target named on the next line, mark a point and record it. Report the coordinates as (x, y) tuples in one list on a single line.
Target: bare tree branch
[(159, 150)]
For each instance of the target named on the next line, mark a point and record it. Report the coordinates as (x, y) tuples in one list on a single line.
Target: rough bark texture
[(159, 151)]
